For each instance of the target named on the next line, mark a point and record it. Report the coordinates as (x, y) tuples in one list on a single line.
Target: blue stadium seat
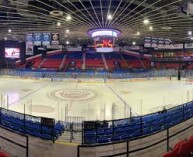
[(103, 140)]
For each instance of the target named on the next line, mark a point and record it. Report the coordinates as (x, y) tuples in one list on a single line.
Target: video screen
[(104, 44), (12, 53)]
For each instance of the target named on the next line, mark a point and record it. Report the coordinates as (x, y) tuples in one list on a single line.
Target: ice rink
[(92, 99)]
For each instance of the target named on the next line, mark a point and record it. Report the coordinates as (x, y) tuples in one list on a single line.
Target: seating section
[(94, 63), (30, 125), (181, 149), (161, 65), (73, 61), (53, 61), (190, 66), (136, 63), (114, 61), (112, 55), (4, 154), (74, 55), (135, 127)]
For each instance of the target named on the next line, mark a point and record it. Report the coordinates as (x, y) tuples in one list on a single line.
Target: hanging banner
[(37, 39), (55, 38), (29, 37), (29, 49), (46, 38), (188, 46)]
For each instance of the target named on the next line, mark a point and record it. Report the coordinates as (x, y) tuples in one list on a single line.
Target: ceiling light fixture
[(67, 31), (68, 17), (146, 21), (150, 28), (109, 17), (189, 32), (133, 43), (58, 24)]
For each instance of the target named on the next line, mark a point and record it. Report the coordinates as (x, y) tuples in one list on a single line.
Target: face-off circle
[(73, 94)]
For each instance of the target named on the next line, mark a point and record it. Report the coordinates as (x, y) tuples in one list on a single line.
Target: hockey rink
[(92, 99)]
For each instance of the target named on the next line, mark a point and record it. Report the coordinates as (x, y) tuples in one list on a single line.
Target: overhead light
[(189, 32), (68, 17), (67, 42), (67, 30), (150, 28), (9, 30), (146, 21), (138, 33), (5, 38), (191, 38), (167, 28), (109, 17), (133, 43), (58, 24)]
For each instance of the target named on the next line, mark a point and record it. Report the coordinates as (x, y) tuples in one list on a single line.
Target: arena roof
[(73, 18)]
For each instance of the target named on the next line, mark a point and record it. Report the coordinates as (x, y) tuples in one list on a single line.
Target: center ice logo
[(73, 94)]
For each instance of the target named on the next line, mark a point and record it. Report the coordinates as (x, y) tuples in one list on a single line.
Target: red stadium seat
[(3, 154), (184, 149), (170, 154)]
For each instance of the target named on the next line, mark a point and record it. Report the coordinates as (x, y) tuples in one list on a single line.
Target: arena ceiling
[(78, 16)]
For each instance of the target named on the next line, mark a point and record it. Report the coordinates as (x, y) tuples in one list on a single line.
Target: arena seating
[(30, 125), (74, 55), (181, 149), (125, 129), (112, 55), (72, 64), (93, 56), (166, 65), (94, 63), (37, 62), (190, 66), (3, 154), (74, 61), (136, 62), (51, 63)]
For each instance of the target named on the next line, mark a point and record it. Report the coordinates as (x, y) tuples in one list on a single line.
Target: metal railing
[(28, 124), (157, 142), (5, 140)]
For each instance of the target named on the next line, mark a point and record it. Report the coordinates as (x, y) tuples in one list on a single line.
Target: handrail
[(16, 143), (142, 148)]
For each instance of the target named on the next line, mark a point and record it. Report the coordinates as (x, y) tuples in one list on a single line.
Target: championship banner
[(29, 48), (156, 43), (171, 47), (37, 39), (46, 38), (55, 38), (188, 46), (29, 37)]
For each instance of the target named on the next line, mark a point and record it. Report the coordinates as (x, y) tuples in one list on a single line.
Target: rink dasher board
[(87, 80)]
